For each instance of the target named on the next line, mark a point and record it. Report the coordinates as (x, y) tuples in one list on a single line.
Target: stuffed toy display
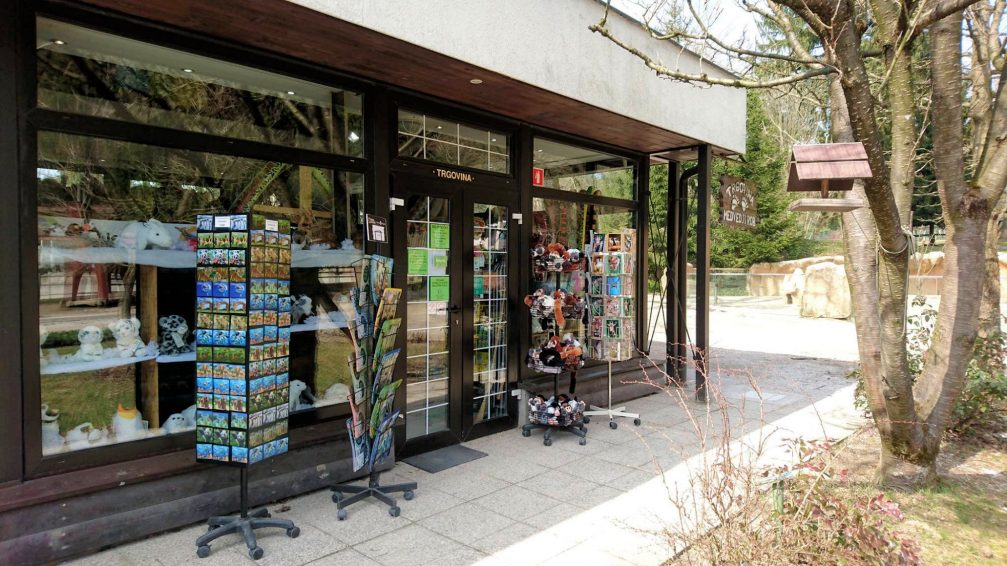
[(127, 337), (301, 397), (556, 355), (127, 424), (84, 435), (90, 344), (555, 257), (147, 235), (556, 411)]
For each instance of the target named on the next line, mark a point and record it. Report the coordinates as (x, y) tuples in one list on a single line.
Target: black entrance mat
[(444, 458)]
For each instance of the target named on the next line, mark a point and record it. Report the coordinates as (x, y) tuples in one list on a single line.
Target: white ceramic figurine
[(127, 337)]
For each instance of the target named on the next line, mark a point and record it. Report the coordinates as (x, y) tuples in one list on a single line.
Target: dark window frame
[(36, 120)]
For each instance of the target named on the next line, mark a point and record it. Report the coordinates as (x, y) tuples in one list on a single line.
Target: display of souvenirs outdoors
[(243, 314), (611, 295)]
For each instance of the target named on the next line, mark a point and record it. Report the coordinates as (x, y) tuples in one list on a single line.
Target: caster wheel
[(526, 433), (587, 420), (394, 511), (637, 422), (293, 532), (613, 425), (408, 495), (203, 551), (583, 442), (256, 553), (547, 442), (341, 514), (337, 497)]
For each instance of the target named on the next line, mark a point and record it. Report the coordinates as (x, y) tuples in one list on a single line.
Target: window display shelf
[(176, 358), (55, 368), (332, 321), (181, 259)]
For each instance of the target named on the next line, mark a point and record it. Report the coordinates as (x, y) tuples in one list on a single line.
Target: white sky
[(733, 24)]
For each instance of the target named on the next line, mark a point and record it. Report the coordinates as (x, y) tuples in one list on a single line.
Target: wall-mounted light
[(291, 93), (186, 70), (354, 137), (476, 81), (59, 42)]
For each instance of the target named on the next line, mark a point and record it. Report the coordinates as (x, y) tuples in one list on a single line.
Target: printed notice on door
[(440, 288), (417, 261), (440, 236)]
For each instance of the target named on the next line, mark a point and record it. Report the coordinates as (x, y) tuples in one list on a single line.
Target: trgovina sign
[(737, 203)]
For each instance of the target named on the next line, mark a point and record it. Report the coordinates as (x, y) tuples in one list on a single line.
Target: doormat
[(444, 458)]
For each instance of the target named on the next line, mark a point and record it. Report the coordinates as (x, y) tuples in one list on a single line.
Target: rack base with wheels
[(245, 523), (611, 412), (575, 428), (344, 495)]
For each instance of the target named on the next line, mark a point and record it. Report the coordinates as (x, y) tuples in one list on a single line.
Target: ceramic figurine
[(174, 423), (127, 424), (174, 335), (51, 438), (84, 436), (90, 344), (127, 337), (299, 391), (150, 234)]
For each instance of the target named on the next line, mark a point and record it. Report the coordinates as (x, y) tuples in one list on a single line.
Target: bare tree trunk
[(967, 213), (989, 308)]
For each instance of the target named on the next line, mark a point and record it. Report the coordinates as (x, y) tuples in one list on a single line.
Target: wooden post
[(703, 271), (149, 380)]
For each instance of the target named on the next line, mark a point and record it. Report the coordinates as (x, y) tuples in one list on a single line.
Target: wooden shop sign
[(737, 203)]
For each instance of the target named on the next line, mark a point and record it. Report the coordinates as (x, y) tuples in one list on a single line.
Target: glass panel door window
[(428, 293), (490, 317)]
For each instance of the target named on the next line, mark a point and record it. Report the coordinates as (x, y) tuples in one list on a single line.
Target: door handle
[(454, 309)]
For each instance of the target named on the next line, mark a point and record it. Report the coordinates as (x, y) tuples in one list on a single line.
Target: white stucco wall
[(547, 43)]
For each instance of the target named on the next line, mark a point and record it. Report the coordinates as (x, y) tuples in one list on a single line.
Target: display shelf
[(177, 358), (182, 259), (333, 321), (104, 363)]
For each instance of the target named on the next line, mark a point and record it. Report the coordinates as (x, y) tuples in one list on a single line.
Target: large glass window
[(571, 224), (581, 170), (87, 72), (116, 241), (452, 143)]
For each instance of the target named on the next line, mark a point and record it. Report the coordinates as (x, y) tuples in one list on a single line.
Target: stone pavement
[(525, 503)]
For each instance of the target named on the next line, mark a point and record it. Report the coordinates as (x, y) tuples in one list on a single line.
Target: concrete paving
[(604, 503)]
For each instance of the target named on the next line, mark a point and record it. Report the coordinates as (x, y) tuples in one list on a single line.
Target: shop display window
[(452, 143), (571, 224), (91, 73), (581, 170), (119, 290)]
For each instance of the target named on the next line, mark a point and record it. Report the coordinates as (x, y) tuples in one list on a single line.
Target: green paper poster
[(440, 288), (417, 261), (477, 284), (440, 236)]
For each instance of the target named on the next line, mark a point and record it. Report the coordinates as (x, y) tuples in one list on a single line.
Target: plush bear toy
[(90, 344), (174, 423), (299, 391), (127, 337), (150, 234), (174, 335), (300, 309)]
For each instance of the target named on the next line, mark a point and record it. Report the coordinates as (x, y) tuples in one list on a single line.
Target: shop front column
[(702, 271)]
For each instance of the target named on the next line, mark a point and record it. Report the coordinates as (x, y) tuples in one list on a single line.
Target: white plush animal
[(127, 337), (127, 424), (150, 234), (174, 423), (51, 438), (299, 390), (338, 391), (301, 308), (42, 337), (190, 416), (90, 344)]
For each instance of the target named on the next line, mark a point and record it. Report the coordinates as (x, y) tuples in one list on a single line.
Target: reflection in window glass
[(98, 74), (116, 241), (570, 224), (444, 141), (581, 170)]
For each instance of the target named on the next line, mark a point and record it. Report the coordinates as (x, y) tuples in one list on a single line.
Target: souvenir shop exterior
[(489, 161)]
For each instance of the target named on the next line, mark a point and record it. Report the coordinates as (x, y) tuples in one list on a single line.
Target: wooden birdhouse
[(823, 168)]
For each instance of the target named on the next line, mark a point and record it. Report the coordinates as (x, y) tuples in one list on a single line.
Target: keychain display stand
[(243, 313), (612, 308), (372, 398), (545, 360)]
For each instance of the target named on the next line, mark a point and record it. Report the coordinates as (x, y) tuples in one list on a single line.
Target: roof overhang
[(537, 61)]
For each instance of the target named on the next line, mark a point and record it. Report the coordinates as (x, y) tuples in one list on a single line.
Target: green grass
[(89, 396)]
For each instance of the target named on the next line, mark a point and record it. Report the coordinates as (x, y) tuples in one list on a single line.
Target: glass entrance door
[(456, 248)]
